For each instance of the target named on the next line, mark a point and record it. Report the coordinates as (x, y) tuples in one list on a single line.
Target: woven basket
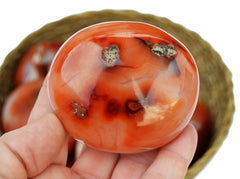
[(215, 79)]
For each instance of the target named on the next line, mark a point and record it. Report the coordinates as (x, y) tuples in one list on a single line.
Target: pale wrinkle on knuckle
[(25, 155), (179, 161), (13, 167), (145, 159), (156, 175), (23, 147), (177, 157)]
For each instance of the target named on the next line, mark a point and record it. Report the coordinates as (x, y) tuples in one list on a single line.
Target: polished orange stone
[(123, 86), (36, 61), (19, 104), (203, 123)]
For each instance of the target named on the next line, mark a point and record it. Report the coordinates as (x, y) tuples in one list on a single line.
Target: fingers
[(95, 164), (91, 164), (133, 165), (29, 150), (170, 161), (173, 160)]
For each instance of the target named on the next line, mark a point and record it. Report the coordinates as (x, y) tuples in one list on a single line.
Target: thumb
[(27, 151)]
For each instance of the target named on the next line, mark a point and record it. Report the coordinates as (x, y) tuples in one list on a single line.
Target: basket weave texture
[(215, 79)]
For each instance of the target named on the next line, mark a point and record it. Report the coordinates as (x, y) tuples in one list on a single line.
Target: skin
[(39, 150)]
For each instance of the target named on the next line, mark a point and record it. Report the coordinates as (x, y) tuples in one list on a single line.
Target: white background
[(215, 21)]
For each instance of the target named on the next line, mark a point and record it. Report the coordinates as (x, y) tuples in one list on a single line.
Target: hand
[(39, 150)]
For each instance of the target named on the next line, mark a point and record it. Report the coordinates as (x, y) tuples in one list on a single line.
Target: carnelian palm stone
[(123, 86)]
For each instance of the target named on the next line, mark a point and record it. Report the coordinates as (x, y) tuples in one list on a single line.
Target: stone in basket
[(215, 79)]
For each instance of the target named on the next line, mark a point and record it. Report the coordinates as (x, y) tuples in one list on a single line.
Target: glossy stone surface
[(123, 86)]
